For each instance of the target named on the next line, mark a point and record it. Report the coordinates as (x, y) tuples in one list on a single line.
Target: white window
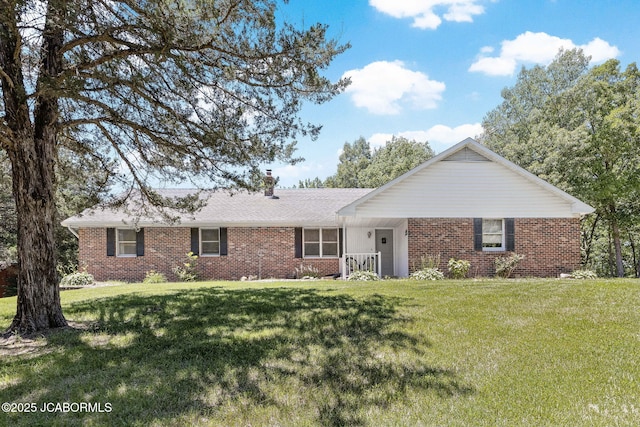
[(493, 235), (209, 241), (320, 242), (126, 242)]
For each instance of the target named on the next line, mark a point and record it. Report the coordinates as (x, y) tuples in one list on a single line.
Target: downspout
[(75, 233)]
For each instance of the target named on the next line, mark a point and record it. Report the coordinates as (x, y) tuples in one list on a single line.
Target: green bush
[(187, 272), (426, 261), (77, 279), (427, 274), (458, 269), (8, 256), (363, 275), (584, 274), (307, 271), (153, 276), (64, 269), (505, 265)]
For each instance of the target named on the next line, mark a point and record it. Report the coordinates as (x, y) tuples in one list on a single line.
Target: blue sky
[(431, 69)]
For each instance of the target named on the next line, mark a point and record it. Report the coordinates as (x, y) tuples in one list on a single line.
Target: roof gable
[(466, 154), (467, 180)]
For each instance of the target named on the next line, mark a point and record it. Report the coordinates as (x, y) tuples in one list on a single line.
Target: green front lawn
[(460, 353)]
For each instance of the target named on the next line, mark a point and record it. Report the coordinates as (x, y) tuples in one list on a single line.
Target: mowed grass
[(454, 353)]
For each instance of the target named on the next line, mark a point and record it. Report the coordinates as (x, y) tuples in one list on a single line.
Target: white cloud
[(439, 137), (494, 66), (384, 87), (462, 11), (423, 14), (536, 48), (293, 171), (289, 175), (600, 50)]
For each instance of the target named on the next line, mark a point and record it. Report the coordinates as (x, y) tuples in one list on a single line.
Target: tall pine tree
[(173, 90)]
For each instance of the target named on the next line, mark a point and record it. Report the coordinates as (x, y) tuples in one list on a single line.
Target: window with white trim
[(320, 242), (209, 241), (493, 235), (126, 242)]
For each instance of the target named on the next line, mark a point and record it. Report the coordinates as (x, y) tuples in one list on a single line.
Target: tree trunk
[(632, 243), (32, 149), (615, 230), (33, 189), (588, 240)]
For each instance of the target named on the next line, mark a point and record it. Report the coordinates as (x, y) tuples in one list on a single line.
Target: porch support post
[(343, 258)]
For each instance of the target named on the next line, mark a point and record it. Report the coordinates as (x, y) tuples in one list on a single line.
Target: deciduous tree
[(354, 159), (362, 167), (393, 159)]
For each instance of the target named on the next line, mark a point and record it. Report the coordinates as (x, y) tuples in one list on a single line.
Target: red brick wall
[(550, 246), (8, 277), (258, 251)]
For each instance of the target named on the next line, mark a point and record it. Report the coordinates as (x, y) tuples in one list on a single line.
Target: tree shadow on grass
[(292, 356)]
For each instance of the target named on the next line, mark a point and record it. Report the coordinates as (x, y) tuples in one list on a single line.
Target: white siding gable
[(467, 181)]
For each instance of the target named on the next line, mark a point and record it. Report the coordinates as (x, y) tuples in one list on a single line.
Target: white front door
[(384, 245)]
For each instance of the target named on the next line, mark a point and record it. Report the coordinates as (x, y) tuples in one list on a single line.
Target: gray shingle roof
[(293, 207)]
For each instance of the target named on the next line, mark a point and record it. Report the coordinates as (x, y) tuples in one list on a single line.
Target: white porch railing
[(361, 262)]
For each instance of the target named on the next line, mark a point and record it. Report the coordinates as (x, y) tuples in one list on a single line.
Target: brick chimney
[(269, 183)]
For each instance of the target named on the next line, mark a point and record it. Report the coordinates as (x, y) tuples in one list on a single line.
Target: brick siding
[(550, 245), (266, 252)]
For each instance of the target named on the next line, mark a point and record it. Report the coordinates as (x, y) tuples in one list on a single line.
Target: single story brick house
[(465, 203)]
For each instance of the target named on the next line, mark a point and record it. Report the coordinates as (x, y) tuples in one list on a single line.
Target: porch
[(377, 245), (352, 262)]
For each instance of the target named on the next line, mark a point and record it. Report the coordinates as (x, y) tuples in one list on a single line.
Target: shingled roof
[(289, 207)]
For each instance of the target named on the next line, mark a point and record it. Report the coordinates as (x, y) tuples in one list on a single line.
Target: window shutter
[(298, 242), (223, 242), (195, 241), (340, 237), (477, 234), (140, 242), (111, 242), (510, 234)]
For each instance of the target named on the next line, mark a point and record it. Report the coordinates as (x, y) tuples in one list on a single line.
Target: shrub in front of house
[(77, 279), (363, 276), (458, 269), (584, 274), (426, 261), (507, 264), (187, 272), (307, 272), (153, 276), (429, 273)]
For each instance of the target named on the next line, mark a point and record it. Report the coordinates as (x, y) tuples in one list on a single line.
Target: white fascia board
[(195, 224)]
